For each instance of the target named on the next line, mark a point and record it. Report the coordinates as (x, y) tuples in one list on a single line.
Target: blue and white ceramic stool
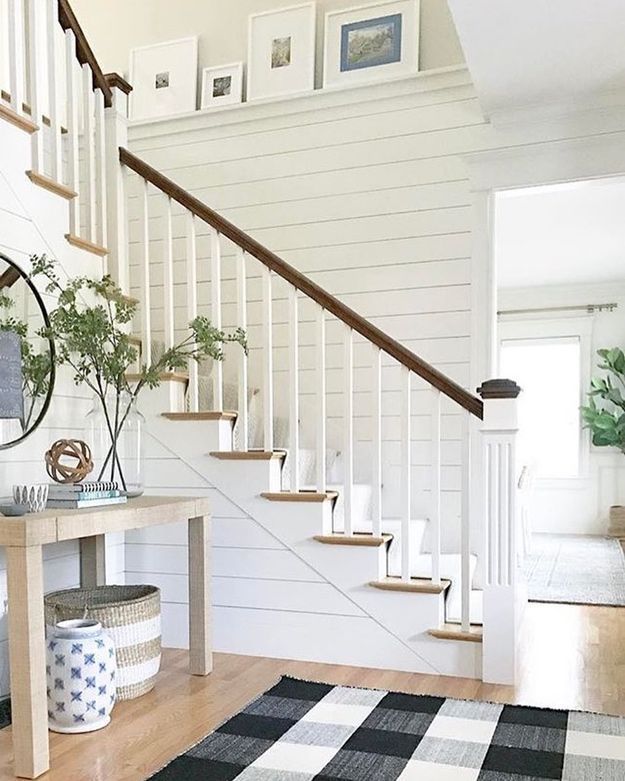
[(81, 669)]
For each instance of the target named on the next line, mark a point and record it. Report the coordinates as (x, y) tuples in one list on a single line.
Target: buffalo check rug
[(300, 731)]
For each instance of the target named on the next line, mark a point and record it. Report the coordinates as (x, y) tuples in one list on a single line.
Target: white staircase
[(399, 486)]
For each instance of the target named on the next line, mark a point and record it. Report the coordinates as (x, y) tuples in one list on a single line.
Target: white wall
[(115, 27), (578, 505)]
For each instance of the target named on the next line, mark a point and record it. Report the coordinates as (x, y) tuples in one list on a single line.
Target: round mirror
[(26, 359)]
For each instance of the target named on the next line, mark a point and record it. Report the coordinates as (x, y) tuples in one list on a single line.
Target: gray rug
[(576, 570)]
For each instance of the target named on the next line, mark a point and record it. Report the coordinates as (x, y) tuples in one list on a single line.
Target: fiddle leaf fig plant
[(605, 413), (93, 339)]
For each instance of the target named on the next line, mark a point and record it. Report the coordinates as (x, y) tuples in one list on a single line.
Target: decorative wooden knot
[(74, 449)]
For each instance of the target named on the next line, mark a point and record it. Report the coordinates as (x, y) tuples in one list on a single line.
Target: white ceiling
[(566, 234), (523, 52)]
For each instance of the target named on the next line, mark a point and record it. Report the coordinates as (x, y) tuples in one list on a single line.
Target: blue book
[(78, 496), (81, 504)]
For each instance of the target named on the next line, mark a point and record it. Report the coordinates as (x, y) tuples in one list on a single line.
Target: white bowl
[(35, 495)]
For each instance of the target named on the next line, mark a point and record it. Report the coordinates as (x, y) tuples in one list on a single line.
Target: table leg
[(27, 661), (200, 629), (93, 561)]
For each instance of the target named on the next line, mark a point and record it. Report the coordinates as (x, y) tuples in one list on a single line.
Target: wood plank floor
[(573, 657)]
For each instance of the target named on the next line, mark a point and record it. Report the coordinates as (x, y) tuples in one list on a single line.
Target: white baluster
[(218, 371), (100, 158), (16, 55), (267, 359), (294, 389), (348, 428), (73, 140), (465, 524), (194, 390), (376, 442), (89, 153), (146, 309), (242, 417), (35, 17), (435, 486), (56, 149), (168, 277), (405, 473), (321, 399)]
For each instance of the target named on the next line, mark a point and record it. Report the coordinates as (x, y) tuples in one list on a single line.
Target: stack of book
[(83, 495)]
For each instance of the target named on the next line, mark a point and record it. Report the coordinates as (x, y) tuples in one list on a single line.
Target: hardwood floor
[(573, 657)]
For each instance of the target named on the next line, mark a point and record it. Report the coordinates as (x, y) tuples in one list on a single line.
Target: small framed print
[(281, 52), (222, 86), (164, 77), (372, 42)]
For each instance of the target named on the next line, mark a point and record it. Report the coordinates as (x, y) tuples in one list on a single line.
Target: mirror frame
[(46, 320)]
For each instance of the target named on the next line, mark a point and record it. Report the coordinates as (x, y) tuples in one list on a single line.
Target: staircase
[(421, 537)]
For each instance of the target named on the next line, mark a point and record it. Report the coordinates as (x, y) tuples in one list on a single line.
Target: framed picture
[(281, 52), (222, 86), (164, 77), (371, 43)]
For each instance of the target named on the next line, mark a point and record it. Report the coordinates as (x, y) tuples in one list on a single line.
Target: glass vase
[(115, 433)]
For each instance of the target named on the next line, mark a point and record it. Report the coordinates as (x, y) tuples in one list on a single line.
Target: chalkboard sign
[(11, 380)]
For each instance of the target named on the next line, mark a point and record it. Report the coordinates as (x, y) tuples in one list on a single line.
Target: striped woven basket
[(131, 615)]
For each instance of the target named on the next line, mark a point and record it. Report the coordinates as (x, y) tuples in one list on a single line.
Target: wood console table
[(24, 538)]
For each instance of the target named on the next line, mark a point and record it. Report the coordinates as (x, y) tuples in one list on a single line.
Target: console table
[(24, 538)]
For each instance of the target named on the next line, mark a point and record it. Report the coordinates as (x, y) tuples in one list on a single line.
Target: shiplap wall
[(25, 232), (358, 190)]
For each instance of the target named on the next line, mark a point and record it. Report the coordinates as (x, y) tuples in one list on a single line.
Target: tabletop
[(55, 525)]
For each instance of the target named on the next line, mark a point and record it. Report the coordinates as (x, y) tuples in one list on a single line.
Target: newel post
[(504, 596), (117, 220)]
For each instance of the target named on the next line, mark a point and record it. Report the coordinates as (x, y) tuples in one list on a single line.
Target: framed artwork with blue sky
[(371, 43)]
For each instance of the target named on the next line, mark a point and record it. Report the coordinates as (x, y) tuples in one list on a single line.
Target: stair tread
[(51, 185), (364, 539), (206, 415), (17, 119), (164, 377), (452, 632), (87, 246), (299, 496), (248, 455), (415, 585)]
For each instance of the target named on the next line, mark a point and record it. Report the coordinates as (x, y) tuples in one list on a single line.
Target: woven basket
[(131, 615)]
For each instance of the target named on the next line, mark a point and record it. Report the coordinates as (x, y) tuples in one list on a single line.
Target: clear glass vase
[(115, 434)]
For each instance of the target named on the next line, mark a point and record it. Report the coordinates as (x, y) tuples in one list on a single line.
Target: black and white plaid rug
[(300, 731)]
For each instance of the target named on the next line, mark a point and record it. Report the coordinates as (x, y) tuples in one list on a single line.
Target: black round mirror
[(27, 365)]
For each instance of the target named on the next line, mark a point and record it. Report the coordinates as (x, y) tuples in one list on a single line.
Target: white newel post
[(116, 122), (504, 594)]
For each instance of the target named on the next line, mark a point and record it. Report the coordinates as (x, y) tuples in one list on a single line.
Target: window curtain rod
[(588, 308)]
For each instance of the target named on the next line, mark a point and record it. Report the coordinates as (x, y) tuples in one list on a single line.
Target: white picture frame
[(374, 42), (222, 85), (281, 52), (164, 79)]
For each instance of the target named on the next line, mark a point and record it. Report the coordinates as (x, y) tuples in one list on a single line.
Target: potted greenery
[(605, 416), (93, 339)]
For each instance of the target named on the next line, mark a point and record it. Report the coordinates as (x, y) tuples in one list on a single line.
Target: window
[(549, 372)]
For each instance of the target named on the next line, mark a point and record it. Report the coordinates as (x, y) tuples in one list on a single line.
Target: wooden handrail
[(68, 21), (352, 319)]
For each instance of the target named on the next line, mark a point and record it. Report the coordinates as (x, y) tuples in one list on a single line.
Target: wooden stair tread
[(454, 632), (414, 585), (299, 496), (49, 184), (200, 415), (165, 377), (88, 246), (17, 119), (363, 539), (248, 455)]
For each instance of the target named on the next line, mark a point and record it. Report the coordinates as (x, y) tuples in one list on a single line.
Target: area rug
[(300, 731), (576, 570)]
